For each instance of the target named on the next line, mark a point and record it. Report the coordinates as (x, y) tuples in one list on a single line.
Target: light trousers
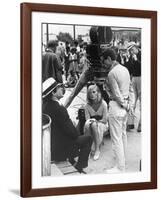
[(136, 81), (117, 125)]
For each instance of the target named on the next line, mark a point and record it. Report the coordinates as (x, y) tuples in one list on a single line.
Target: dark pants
[(83, 144)]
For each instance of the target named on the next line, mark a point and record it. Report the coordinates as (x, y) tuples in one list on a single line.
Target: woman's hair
[(99, 95)]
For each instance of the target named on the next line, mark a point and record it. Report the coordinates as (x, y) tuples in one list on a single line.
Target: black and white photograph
[(89, 123), (91, 99)]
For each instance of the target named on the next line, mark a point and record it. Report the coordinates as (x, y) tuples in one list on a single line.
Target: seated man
[(66, 143)]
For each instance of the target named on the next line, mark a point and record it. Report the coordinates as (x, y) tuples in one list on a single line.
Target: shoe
[(139, 128), (96, 155), (79, 168), (72, 161), (82, 171), (114, 170), (130, 127), (86, 170)]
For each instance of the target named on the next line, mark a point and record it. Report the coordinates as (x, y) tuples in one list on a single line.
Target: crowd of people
[(70, 62), (123, 87)]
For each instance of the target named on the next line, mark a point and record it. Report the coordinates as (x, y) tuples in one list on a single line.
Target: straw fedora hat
[(49, 85)]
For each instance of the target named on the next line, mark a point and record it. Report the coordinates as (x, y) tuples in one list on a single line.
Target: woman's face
[(93, 94)]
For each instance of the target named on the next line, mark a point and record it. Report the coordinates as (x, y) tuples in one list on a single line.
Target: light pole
[(47, 33), (74, 32)]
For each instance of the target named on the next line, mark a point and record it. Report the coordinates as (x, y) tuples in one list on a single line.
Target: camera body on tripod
[(100, 39)]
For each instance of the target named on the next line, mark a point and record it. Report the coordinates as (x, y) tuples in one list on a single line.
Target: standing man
[(51, 63), (118, 88), (66, 61), (66, 143), (135, 65)]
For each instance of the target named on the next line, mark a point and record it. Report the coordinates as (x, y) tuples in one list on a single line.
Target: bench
[(65, 168)]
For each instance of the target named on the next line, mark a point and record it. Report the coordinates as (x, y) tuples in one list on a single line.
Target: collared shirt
[(118, 84)]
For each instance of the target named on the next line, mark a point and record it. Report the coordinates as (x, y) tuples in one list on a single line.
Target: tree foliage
[(65, 37)]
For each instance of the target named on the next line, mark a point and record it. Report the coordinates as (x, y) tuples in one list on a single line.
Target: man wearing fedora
[(66, 142)]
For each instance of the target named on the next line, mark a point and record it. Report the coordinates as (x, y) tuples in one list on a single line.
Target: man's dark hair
[(109, 52), (52, 44)]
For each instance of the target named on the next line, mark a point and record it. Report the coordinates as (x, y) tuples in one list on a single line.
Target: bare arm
[(87, 115), (80, 84), (105, 113)]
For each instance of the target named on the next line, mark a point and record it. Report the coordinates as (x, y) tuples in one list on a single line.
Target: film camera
[(100, 39)]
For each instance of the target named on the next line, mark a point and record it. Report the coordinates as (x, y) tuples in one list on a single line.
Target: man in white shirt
[(118, 87)]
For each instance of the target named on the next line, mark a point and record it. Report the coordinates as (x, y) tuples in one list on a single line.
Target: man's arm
[(64, 123), (115, 89), (80, 84), (87, 115)]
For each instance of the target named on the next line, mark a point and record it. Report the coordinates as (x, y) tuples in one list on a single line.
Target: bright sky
[(55, 29), (82, 30)]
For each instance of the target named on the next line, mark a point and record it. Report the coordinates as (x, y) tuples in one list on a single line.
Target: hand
[(131, 111), (135, 57), (92, 120), (125, 105)]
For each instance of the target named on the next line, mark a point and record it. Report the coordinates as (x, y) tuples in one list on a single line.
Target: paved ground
[(106, 158)]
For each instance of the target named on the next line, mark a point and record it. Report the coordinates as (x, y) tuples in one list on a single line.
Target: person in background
[(121, 102), (59, 53), (76, 45), (83, 63), (73, 60), (51, 64), (135, 66), (71, 80), (66, 60), (96, 115), (66, 142), (78, 50), (123, 56)]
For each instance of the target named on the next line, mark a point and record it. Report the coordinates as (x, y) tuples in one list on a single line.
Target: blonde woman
[(96, 118)]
